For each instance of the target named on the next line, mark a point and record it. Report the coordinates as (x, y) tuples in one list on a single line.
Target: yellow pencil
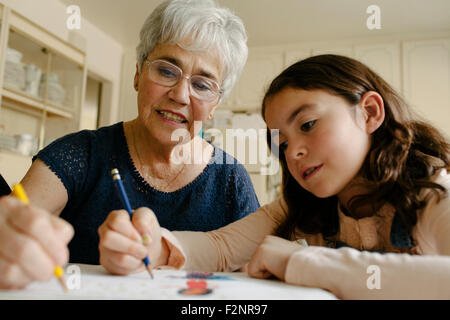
[(19, 192)]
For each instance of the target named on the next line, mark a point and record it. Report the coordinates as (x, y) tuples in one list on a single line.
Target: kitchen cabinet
[(42, 81), (262, 66)]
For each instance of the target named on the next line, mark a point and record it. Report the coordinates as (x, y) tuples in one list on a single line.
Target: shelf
[(58, 110), (53, 70), (26, 100)]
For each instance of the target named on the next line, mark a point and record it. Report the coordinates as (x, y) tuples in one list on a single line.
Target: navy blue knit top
[(221, 194)]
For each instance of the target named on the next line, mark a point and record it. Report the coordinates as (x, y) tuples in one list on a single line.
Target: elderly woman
[(189, 57)]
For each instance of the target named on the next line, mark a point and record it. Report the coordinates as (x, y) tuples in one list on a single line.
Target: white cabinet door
[(384, 59), (260, 70), (426, 81), (292, 56)]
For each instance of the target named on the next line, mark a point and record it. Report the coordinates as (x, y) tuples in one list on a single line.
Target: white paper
[(94, 282)]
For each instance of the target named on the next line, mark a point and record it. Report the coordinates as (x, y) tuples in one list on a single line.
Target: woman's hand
[(124, 242), (271, 257), (32, 243)]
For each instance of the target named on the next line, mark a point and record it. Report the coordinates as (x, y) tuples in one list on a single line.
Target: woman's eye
[(308, 125), (167, 73), (201, 85)]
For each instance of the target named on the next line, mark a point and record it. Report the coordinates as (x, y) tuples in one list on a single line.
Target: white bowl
[(14, 75), (56, 93), (13, 55)]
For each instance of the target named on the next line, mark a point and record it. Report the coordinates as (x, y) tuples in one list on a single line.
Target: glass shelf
[(25, 99), (26, 68), (25, 62), (64, 83)]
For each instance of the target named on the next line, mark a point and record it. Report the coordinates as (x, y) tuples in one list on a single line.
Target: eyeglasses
[(168, 74)]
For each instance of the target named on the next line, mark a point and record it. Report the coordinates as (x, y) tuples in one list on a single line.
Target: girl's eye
[(308, 125)]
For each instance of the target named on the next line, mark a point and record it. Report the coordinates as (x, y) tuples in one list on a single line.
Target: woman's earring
[(210, 116)]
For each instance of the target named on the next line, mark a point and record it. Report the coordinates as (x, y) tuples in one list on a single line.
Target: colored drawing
[(195, 288), (94, 282), (201, 275)]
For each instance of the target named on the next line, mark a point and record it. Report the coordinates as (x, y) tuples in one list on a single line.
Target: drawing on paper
[(195, 288), (200, 275)]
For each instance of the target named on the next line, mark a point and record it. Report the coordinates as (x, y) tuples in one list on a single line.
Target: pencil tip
[(150, 271)]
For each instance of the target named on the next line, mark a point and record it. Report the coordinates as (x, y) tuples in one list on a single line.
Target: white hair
[(206, 25)]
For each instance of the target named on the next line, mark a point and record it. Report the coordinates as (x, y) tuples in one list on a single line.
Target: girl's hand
[(32, 243), (124, 242), (271, 257)]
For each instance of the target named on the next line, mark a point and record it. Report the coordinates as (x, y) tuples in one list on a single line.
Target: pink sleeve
[(351, 274), (228, 248), (176, 258)]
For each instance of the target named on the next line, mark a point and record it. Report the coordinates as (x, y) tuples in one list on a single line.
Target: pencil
[(19, 192), (126, 203)]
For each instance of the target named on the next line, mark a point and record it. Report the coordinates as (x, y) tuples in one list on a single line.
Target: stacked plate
[(25, 144), (7, 142), (56, 93), (14, 70)]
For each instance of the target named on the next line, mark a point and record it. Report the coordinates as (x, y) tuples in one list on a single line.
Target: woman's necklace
[(144, 170)]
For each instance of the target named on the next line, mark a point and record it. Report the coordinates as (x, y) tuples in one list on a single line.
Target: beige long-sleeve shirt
[(346, 272)]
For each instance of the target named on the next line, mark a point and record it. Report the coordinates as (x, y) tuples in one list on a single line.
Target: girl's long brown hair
[(404, 153)]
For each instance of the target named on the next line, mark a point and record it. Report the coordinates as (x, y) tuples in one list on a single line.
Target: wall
[(247, 94), (417, 65), (128, 96)]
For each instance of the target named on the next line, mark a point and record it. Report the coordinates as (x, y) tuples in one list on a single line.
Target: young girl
[(363, 183)]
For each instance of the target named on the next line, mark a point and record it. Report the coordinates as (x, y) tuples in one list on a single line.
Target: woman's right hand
[(121, 245), (32, 243)]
